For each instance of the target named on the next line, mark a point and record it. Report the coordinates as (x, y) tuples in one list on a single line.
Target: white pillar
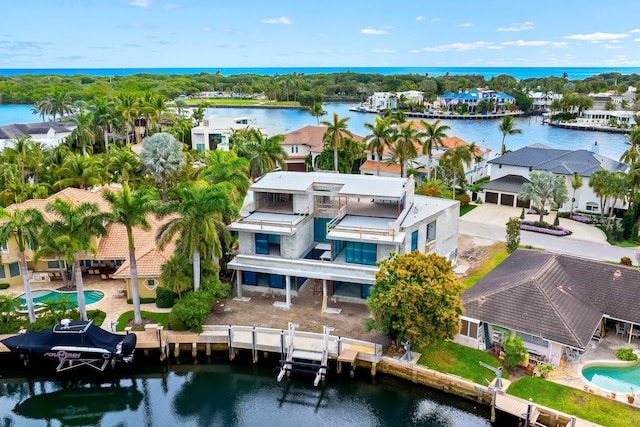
[(239, 283), (287, 284), (324, 295)]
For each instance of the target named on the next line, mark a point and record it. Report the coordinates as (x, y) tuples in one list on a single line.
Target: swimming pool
[(621, 378), (43, 295)]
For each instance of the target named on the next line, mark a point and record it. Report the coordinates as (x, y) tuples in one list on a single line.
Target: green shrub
[(4, 286), (515, 351), (522, 214), (464, 200), (165, 298), (194, 308), (625, 260), (175, 324), (143, 301), (97, 316), (634, 232), (626, 354)]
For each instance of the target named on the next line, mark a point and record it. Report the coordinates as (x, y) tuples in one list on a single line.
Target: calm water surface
[(610, 145), (220, 394)]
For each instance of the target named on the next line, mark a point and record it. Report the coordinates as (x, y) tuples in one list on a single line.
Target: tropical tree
[(42, 107), (177, 274), (403, 148), (263, 153), (507, 128), (123, 165), (513, 234), (61, 104), (8, 305), (542, 189), (56, 247), (24, 227), (225, 166), (632, 154), (432, 135), (378, 140), (334, 135), (18, 151), (74, 230), (83, 134), (576, 183), (162, 157), (198, 217), (598, 181), (317, 111), (130, 209), (457, 158), (102, 112), (127, 107), (415, 298), (81, 172), (616, 189)]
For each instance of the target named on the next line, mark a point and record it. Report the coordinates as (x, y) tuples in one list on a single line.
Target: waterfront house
[(390, 100), (304, 142), (328, 230), (558, 304), (215, 132), (511, 170), (543, 100), (471, 98), (48, 133)]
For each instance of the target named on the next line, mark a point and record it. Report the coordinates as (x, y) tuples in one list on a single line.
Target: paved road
[(571, 246)]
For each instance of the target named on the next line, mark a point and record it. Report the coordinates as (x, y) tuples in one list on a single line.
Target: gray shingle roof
[(38, 128), (506, 184), (554, 296), (563, 162)]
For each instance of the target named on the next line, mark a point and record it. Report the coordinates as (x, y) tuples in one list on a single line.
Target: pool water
[(43, 295), (621, 379)]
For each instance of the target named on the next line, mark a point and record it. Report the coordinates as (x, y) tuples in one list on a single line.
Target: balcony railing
[(262, 223)]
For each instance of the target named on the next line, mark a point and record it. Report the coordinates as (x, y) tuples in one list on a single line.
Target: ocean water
[(481, 131), (488, 72)]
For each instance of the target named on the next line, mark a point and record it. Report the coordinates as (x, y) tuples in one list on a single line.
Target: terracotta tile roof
[(115, 244), (149, 262), (372, 166), (311, 136)]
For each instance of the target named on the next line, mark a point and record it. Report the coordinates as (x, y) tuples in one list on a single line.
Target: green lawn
[(239, 102), (160, 318), (456, 359), (575, 402), (467, 209), (497, 254)]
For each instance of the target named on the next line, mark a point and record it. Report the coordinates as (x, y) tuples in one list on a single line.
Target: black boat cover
[(70, 336)]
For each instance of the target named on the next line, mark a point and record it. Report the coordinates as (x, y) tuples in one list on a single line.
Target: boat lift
[(305, 362)]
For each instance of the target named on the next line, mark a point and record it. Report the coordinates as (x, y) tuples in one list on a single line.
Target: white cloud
[(206, 29), (612, 46), (636, 40), (414, 51), (535, 43), (637, 30), (465, 25), (383, 51), (281, 20), (373, 31), (140, 3), (457, 47), (420, 18), (436, 19), (597, 36), (527, 25), (170, 6)]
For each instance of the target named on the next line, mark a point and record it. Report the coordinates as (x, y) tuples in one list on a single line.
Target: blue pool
[(621, 379), (44, 295)]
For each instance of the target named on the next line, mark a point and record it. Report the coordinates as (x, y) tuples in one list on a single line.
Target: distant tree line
[(300, 87)]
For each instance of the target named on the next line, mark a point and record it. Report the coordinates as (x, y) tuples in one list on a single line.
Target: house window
[(531, 339), (362, 253), (4, 247), (56, 265), (200, 148), (14, 269), (431, 231), (3, 274), (150, 284), (592, 207), (497, 338), (320, 230), (469, 328), (414, 240), (118, 262), (262, 244)]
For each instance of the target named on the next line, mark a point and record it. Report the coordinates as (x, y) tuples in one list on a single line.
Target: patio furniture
[(620, 329), (570, 355)]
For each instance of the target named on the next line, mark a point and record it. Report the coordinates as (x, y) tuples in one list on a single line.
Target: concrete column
[(324, 295), (287, 284), (239, 283)]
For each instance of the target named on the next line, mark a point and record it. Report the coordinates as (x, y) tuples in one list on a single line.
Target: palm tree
[(616, 189), (403, 148), (102, 111), (378, 140), (433, 134), (180, 104), (80, 172), (507, 128), (177, 275), (226, 166), (42, 106), (457, 158), (263, 153), (122, 164), (162, 157), (128, 108), (199, 217), (576, 183), (334, 135), (598, 182), (61, 104), (74, 229), (131, 210), (18, 151), (24, 226), (317, 111), (632, 154), (541, 189), (54, 246), (83, 134)]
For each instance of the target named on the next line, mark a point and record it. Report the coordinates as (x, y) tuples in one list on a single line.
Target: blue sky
[(346, 33)]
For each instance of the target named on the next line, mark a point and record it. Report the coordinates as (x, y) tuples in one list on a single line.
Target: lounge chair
[(620, 329), (570, 356)]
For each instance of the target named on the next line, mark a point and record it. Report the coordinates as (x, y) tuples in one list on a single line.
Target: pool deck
[(570, 374)]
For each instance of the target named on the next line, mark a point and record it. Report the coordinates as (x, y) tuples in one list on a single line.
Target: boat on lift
[(75, 343)]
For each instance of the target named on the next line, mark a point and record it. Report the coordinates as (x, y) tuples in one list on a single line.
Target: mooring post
[(494, 393), (253, 345), (527, 422), (230, 344)]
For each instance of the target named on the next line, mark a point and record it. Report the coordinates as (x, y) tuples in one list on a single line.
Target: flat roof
[(351, 185)]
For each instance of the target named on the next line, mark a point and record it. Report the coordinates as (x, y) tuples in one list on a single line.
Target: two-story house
[(215, 132), (331, 229)]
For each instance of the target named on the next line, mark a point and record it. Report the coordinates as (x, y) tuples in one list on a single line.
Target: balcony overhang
[(264, 222), (367, 229)]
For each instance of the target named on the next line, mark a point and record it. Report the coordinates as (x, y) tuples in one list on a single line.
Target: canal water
[(223, 394)]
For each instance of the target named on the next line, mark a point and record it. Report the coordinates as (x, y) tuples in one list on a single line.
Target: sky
[(327, 33)]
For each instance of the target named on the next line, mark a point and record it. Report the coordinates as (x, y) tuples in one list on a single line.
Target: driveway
[(489, 222)]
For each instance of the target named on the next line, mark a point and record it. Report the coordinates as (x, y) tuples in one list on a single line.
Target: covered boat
[(75, 343)]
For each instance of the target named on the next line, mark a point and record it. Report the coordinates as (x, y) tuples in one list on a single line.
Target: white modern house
[(511, 170), (47, 133), (214, 133), (389, 100), (328, 230), (543, 100)]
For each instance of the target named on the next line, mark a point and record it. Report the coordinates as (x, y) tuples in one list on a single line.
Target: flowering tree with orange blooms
[(415, 298)]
